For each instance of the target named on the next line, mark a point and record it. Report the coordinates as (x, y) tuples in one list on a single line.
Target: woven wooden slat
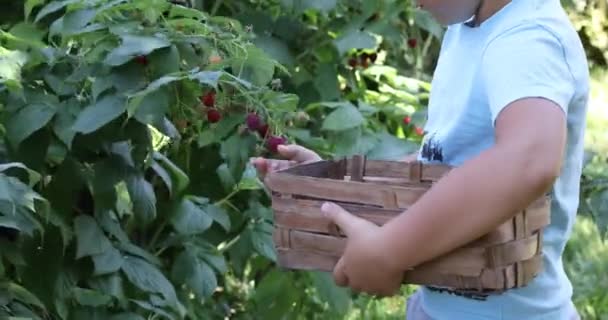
[(509, 256), (306, 215)]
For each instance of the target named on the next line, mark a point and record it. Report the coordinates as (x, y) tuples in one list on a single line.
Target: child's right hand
[(292, 154)]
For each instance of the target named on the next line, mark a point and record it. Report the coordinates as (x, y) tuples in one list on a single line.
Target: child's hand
[(293, 155), (364, 266)]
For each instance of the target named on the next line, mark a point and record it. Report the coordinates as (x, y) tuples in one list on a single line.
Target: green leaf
[(321, 5), (389, 147), (210, 78), (219, 215), (179, 179), (139, 252), (326, 82), (91, 298), (90, 239), (150, 108), (75, 21), (225, 176), (280, 101), (343, 118), (148, 278), (165, 61), (254, 66), (127, 316), (108, 262), (261, 238), (195, 273), (190, 218), (250, 180), (53, 7), (275, 48), (30, 5), (133, 45), (22, 294), (338, 298), (425, 20), (63, 126), (164, 175), (28, 120), (143, 197), (99, 114), (100, 85), (354, 39), (33, 176)]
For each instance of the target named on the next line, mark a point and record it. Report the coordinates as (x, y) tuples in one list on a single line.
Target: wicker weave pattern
[(508, 257)]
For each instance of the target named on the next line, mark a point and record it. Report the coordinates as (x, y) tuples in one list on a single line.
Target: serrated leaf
[(338, 298), (210, 78), (354, 39), (190, 218), (134, 45), (75, 21), (214, 259), (138, 252), (66, 116), (148, 278), (219, 215), (389, 147), (164, 176), (30, 5), (142, 195), (100, 85), (91, 298), (195, 273), (127, 316), (179, 179), (22, 294), (425, 20), (90, 239), (254, 66), (99, 114), (250, 180), (108, 262), (28, 120), (53, 7), (151, 108), (261, 238), (343, 118), (33, 176)]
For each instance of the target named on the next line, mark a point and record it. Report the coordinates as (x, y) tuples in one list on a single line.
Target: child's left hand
[(364, 266)]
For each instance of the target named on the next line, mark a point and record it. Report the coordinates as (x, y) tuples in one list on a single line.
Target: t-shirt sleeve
[(527, 61)]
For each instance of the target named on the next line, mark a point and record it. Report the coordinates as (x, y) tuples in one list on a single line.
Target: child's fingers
[(339, 275)]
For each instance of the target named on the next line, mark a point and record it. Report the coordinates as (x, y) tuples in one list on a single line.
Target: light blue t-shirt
[(527, 49)]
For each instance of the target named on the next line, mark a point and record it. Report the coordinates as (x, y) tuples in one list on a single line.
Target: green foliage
[(127, 189), (590, 17), (125, 185)]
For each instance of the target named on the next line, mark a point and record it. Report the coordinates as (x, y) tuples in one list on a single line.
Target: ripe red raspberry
[(209, 99), (353, 62), (407, 120), (143, 60), (213, 115), (412, 43), (253, 121), (419, 131), (373, 57), (274, 142)]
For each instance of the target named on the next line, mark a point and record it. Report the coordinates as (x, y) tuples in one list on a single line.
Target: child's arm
[(470, 201), (477, 197)]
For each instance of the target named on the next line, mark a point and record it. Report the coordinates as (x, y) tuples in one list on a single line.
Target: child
[(507, 109)]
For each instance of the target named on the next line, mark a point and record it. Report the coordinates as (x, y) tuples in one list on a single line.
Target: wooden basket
[(509, 257)]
